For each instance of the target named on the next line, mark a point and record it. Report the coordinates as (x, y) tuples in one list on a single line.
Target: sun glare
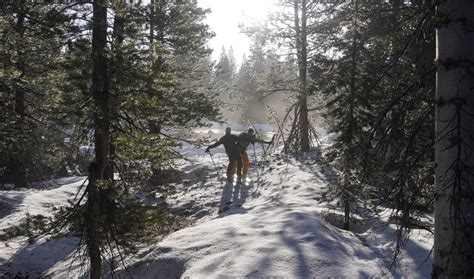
[(224, 20)]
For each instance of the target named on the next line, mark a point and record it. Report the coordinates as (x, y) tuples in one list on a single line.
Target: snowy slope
[(279, 230), (17, 255), (276, 226)]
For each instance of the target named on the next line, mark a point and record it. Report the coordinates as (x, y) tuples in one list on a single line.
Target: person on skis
[(232, 150), (244, 140)]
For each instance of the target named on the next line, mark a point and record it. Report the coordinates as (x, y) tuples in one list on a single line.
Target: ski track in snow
[(272, 226)]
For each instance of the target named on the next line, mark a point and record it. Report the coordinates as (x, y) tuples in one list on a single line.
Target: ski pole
[(258, 165), (215, 166)]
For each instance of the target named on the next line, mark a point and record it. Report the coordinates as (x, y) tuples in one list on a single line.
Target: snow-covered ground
[(274, 225), (19, 257)]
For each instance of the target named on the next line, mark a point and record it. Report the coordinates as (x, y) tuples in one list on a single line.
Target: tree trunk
[(302, 55), (154, 126), (348, 186), (152, 22), (93, 214), (100, 94), (17, 169), (453, 255), (118, 39), (347, 211)]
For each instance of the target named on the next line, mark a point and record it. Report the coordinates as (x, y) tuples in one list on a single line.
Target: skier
[(233, 153), (244, 140)]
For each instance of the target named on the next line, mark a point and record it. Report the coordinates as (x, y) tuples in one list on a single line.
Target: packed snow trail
[(274, 225), (277, 231), (276, 228)]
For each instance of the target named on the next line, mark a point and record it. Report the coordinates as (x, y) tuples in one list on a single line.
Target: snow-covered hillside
[(274, 225), (19, 257)]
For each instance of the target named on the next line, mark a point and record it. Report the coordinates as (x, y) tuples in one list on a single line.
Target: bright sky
[(224, 20)]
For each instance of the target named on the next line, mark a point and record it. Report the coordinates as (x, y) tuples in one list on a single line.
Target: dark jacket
[(245, 139), (230, 145)]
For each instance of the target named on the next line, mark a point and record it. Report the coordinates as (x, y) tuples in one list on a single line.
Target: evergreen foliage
[(378, 86), (113, 105), (32, 146), (371, 75)]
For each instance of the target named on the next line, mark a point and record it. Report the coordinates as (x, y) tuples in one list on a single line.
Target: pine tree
[(32, 147), (68, 91), (225, 68), (98, 173), (301, 43), (251, 79), (340, 79), (289, 31), (377, 85)]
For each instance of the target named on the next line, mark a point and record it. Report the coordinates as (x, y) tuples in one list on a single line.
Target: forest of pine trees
[(105, 89), (369, 70), (100, 90)]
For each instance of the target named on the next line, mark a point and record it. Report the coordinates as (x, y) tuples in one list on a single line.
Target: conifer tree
[(289, 30), (32, 146), (103, 95), (377, 87)]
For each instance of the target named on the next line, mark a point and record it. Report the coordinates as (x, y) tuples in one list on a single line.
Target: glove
[(208, 150)]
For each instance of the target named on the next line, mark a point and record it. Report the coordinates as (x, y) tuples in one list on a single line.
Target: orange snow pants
[(245, 162)]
